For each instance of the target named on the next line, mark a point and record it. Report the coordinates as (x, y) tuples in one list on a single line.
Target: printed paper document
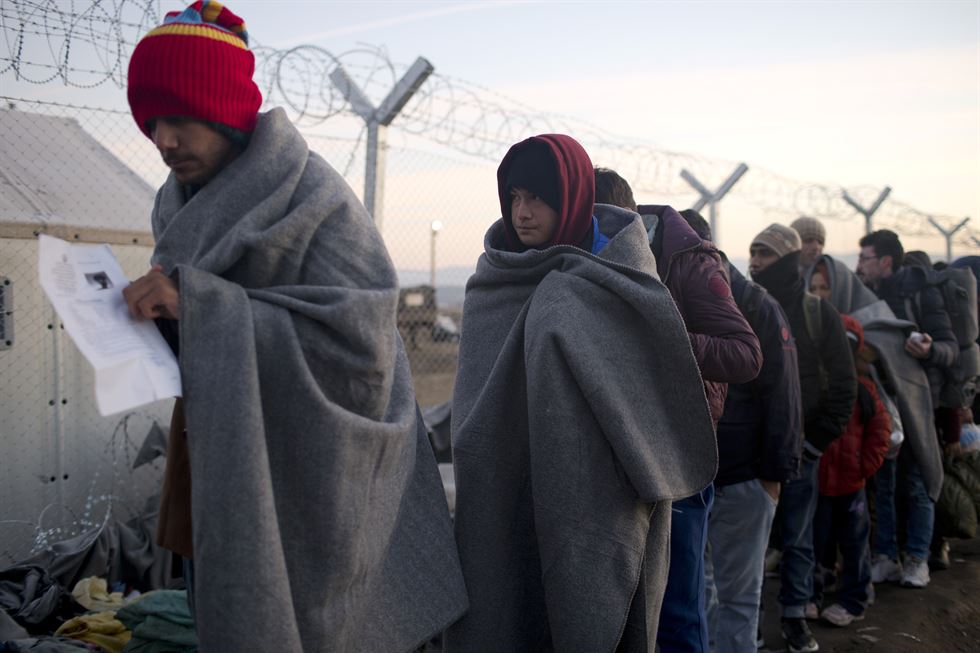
[(133, 363)]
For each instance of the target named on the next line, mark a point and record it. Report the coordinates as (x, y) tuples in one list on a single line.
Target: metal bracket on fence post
[(867, 213), (712, 199), (948, 235), (377, 120)]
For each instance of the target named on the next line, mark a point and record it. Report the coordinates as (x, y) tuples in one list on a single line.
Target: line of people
[(630, 417)]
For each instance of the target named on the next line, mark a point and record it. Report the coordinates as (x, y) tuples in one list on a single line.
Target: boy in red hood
[(842, 507), (578, 416)]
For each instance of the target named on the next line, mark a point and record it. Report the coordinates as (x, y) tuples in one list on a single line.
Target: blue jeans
[(843, 521), (798, 503), (921, 510), (738, 531), (683, 623)]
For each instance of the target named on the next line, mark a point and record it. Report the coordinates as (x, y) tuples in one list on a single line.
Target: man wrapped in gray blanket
[(316, 519), (578, 414)]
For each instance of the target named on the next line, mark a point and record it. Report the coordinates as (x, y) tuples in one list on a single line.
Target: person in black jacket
[(760, 437), (908, 293), (828, 385)]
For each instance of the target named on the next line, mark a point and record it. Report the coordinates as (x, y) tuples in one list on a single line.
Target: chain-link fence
[(74, 164)]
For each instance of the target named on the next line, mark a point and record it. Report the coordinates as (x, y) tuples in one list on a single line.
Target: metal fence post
[(712, 199), (377, 120), (867, 213), (948, 235)]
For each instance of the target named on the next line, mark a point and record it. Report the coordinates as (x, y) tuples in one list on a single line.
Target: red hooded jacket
[(850, 459), (577, 191)]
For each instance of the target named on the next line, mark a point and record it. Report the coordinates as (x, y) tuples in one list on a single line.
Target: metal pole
[(712, 198), (948, 235), (867, 213), (377, 120), (374, 165), (434, 227), (432, 259)]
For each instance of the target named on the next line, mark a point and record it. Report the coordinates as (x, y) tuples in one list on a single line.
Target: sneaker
[(939, 559), (811, 612), (798, 637), (916, 573), (839, 616), (885, 569)]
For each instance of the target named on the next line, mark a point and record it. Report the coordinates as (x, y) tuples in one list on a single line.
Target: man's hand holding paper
[(153, 295)]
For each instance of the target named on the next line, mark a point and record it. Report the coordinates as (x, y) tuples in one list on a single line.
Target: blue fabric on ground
[(160, 621)]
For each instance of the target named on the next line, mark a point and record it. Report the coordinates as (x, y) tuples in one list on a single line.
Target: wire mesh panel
[(64, 467), (71, 156)]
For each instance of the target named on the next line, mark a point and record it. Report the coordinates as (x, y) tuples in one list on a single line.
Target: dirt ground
[(944, 617), (433, 369)]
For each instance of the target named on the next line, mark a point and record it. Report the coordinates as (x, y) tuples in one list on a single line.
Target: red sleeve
[(724, 344), (877, 433)]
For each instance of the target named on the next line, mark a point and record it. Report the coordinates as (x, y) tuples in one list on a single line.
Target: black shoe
[(939, 559), (798, 636)]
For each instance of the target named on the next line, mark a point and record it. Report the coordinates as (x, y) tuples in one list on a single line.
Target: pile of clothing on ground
[(108, 589)]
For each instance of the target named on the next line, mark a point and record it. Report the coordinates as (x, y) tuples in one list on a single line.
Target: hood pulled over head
[(557, 169)]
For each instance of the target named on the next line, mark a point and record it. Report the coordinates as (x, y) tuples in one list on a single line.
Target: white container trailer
[(63, 468)]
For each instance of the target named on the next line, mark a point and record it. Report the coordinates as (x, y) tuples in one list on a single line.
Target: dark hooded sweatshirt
[(825, 414), (724, 345)]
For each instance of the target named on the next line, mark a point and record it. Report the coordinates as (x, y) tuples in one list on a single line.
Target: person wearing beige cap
[(812, 237), (829, 387)]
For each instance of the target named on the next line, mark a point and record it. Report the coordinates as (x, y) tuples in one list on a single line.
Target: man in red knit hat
[(316, 518)]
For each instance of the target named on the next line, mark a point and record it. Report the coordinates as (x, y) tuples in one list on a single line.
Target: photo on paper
[(98, 280)]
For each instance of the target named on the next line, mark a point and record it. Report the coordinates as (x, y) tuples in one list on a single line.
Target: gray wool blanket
[(319, 519), (578, 414), (847, 292), (887, 334)]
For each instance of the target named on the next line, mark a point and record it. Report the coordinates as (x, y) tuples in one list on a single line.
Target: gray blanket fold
[(318, 514), (887, 334), (578, 413)]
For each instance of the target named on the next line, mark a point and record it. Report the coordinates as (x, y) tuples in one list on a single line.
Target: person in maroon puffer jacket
[(842, 511)]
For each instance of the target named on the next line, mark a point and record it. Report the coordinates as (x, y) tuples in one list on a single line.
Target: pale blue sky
[(842, 93), (850, 93)]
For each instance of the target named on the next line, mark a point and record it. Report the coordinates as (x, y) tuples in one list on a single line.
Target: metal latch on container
[(6, 313)]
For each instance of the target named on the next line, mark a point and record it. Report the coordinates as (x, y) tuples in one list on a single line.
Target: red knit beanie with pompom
[(195, 65)]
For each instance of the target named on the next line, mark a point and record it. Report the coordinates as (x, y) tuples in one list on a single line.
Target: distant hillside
[(451, 281)]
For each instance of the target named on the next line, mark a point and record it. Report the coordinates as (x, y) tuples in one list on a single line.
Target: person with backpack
[(842, 520), (760, 438), (910, 296), (578, 416), (829, 387), (727, 351)]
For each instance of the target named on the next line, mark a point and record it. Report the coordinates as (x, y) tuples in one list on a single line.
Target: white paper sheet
[(133, 363)]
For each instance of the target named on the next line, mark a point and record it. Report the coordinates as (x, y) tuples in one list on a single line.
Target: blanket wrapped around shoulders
[(319, 520), (578, 414), (887, 334)]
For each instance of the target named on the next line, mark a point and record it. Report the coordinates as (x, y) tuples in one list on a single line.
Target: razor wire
[(88, 44)]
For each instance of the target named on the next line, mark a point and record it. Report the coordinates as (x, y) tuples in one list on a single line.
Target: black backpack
[(958, 288)]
